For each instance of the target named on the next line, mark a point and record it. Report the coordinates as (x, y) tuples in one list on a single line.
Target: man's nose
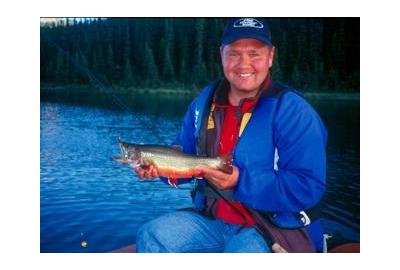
[(244, 60)]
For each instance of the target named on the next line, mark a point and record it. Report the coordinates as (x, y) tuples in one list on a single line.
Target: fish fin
[(177, 147), (173, 182), (227, 161)]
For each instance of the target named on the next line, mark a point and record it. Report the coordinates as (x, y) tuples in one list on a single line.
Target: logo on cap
[(248, 22)]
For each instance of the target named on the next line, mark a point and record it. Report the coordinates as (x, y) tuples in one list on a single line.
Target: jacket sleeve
[(299, 181)]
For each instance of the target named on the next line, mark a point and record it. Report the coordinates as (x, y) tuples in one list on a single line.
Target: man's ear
[(221, 52), (271, 57)]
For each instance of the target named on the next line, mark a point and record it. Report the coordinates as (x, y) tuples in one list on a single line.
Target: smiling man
[(270, 200), (246, 64)]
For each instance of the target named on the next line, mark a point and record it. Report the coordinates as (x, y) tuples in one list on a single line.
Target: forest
[(312, 54)]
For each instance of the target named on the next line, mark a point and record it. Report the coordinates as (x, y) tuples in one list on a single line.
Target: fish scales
[(170, 161), (175, 159)]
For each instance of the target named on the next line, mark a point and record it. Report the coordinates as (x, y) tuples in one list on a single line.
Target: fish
[(170, 161)]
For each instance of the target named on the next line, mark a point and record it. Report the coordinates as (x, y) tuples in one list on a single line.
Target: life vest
[(203, 121), (224, 125)]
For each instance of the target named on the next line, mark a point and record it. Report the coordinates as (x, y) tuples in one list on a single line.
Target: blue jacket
[(280, 155)]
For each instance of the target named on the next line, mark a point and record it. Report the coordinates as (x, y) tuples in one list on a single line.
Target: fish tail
[(226, 164)]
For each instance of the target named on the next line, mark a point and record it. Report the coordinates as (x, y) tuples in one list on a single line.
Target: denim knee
[(247, 240), (179, 232), (147, 238)]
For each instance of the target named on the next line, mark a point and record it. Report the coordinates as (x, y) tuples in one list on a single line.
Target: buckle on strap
[(304, 218)]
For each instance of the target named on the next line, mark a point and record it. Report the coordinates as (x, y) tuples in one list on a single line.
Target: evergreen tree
[(127, 49), (49, 75), (102, 69), (110, 62), (168, 72), (296, 77), (199, 67), (109, 53), (151, 70), (276, 68), (302, 55), (74, 72), (212, 43), (128, 80), (339, 54), (313, 53), (60, 68), (332, 79), (317, 80), (85, 64), (283, 55), (183, 72)]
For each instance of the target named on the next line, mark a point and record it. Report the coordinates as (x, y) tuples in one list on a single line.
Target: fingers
[(153, 172), (210, 173), (220, 179), (149, 172), (278, 248)]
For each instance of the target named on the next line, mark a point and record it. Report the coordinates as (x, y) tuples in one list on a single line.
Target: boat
[(344, 248)]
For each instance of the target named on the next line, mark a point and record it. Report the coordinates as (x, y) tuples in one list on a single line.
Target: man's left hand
[(220, 179)]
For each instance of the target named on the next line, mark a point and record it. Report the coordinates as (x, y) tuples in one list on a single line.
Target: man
[(278, 145)]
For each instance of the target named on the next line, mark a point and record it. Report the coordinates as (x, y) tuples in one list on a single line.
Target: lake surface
[(90, 203)]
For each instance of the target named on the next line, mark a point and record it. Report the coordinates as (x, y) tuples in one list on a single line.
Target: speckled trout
[(170, 161)]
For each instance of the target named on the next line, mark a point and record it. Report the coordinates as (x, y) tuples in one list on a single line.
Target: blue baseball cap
[(238, 28)]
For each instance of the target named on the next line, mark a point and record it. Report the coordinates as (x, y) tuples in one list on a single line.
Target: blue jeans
[(186, 231)]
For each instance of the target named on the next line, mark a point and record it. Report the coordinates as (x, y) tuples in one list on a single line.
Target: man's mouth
[(245, 75)]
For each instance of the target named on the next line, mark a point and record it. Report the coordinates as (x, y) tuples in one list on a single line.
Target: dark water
[(85, 197)]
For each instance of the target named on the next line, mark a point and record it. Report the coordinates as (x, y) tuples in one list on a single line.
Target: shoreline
[(88, 89), (333, 95)]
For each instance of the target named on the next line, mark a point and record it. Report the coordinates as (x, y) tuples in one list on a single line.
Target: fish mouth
[(121, 159), (124, 150), (129, 153), (124, 158)]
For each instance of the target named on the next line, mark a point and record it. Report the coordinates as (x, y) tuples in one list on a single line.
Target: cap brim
[(229, 40)]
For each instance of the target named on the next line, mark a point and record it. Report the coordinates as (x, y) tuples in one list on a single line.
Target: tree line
[(313, 54)]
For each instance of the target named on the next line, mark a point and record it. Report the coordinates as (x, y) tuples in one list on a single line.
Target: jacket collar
[(221, 95)]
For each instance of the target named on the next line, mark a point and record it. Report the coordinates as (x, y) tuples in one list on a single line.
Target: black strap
[(212, 192), (201, 144), (291, 240)]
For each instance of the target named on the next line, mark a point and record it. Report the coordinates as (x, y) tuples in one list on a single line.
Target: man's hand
[(150, 172), (220, 179), (278, 248)]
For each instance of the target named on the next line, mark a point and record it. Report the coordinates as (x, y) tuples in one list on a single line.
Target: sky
[(63, 20)]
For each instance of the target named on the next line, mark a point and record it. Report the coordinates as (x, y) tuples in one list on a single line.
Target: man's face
[(246, 64)]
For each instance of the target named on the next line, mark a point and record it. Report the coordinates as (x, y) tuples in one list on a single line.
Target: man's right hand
[(278, 249), (149, 173)]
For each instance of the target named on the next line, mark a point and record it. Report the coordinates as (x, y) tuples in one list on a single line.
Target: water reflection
[(341, 202)]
